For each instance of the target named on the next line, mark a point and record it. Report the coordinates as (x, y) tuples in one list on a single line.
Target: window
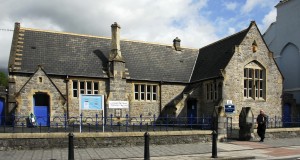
[(85, 87), (136, 92), (81, 87), (254, 81), (75, 88), (96, 87), (211, 91), (144, 92), (88, 87), (40, 79)]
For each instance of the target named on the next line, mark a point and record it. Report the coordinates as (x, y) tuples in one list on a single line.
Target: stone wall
[(234, 73), (11, 141), (38, 83), (171, 99), (144, 108), (74, 101), (99, 140)]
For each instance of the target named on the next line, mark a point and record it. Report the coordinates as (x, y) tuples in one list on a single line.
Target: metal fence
[(283, 122), (22, 124)]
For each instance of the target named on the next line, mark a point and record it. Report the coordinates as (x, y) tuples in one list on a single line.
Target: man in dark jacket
[(261, 122)]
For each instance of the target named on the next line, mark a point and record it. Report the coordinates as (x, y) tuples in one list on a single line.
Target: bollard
[(214, 144), (146, 149), (71, 146)]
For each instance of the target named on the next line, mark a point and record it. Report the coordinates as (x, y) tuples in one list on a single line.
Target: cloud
[(250, 4), (230, 5), (268, 19), (231, 31), (147, 20), (257, 4)]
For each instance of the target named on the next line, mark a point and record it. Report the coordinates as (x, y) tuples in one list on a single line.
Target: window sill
[(254, 100)]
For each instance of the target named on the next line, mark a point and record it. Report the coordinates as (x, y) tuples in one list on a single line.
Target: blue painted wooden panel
[(2, 111), (41, 114)]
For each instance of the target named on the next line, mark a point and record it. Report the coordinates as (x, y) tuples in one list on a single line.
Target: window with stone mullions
[(253, 83), (96, 87), (88, 87), (211, 91), (248, 82), (144, 92), (259, 83), (85, 87), (136, 92), (75, 88), (81, 86)]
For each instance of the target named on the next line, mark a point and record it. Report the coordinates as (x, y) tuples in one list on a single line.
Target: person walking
[(261, 121)]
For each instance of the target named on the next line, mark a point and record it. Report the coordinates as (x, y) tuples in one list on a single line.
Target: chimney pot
[(176, 44)]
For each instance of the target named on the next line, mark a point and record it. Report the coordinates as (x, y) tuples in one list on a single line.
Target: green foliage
[(3, 79)]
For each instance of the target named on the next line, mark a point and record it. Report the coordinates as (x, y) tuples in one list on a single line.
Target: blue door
[(41, 109), (286, 119), (2, 111), (192, 111)]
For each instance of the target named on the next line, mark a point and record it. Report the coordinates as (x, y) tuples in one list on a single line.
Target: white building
[(283, 39)]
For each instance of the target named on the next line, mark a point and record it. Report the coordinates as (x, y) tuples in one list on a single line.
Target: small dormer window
[(254, 46)]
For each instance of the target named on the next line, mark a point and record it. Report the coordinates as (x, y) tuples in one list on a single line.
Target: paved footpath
[(270, 149)]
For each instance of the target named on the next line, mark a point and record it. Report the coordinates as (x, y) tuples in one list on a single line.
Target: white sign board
[(229, 102), (118, 104), (91, 102)]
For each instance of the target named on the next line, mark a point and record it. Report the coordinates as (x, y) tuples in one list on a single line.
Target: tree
[(3, 79)]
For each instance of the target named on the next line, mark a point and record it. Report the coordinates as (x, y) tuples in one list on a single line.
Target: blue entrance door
[(41, 109), (2, 111), (286, 119), (192, 111)]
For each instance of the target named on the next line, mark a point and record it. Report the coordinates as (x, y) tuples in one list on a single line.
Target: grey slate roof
[(81, 55), (87, 56), (216, 56)]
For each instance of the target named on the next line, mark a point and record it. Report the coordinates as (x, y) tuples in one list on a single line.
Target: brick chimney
[(176, 44), (115, 54)]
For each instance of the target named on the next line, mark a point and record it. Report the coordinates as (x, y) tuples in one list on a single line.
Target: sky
[(196, 22)]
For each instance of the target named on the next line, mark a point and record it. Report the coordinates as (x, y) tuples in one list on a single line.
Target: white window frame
[(254, 87), (147, 94), (85, 90)]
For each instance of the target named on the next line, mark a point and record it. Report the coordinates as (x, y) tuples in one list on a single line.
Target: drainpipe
[(160, 103), (67, 91)]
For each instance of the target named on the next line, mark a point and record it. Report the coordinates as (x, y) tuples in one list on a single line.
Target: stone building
[(49, 72), (282, 38)]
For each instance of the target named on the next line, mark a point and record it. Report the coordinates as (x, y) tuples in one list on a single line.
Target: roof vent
[(176, 44)]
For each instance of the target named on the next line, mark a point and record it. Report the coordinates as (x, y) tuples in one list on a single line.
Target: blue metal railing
[(81, 123)]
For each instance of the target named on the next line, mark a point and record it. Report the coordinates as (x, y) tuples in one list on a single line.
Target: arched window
[(289, 66), (254, 81)]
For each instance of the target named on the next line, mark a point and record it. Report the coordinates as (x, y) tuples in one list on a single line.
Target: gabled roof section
[(214, 57), (39, 67), (87, 56)]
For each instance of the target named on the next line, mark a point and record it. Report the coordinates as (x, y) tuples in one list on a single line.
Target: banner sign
[(118, 104), (91, 102)]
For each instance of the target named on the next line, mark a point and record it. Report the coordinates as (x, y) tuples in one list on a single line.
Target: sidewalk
[(270, 149)]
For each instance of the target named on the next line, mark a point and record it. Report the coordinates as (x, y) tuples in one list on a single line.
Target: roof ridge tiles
[(92, 36), (225, 38)]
